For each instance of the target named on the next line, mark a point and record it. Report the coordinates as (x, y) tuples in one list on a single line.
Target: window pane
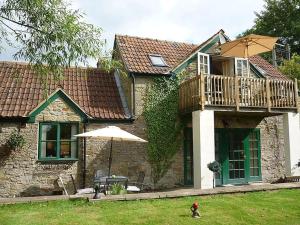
[(205, 60), (48, 149), (157, 60), (73, 131), (65, 150), (49, 132), (65, 131), (63, 147), (206, 69), (74, 149)]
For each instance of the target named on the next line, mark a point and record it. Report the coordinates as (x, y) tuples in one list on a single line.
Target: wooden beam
[(268, 94), (237, 97), (202, 95), (296, 94)]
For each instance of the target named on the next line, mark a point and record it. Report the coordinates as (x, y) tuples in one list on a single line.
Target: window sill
[(57, 160)]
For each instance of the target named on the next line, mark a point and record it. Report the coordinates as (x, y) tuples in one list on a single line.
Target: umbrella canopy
[(111, 133), (248, 46)]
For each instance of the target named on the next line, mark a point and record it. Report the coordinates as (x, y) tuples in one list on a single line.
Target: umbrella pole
[(110, 157)]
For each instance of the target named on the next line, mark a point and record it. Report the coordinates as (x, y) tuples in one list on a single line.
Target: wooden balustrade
[(233, 91)]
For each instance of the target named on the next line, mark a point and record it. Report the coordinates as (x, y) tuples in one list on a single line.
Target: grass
[(276, 207)]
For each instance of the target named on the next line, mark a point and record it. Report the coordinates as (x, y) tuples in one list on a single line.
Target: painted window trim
[(55, 95), (57, 137), (198, 62), (222, 132), (236, 59), (186, 142), (193, 56)]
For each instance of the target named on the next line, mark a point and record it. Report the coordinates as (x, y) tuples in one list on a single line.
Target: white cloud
[(178, 20)]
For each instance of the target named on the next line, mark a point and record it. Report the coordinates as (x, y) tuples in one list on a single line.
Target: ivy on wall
[(15, 141), (163, 125)]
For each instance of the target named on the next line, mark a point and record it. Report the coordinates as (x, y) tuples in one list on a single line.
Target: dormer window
[(157, 60)]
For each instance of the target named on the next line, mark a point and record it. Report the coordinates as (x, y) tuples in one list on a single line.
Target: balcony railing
[(239, 92)]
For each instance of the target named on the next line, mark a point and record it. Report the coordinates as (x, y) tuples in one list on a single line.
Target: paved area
[(183, 192)]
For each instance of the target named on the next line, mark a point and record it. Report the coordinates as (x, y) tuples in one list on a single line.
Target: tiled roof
[(93, 90), (135, 53), (269, 69)]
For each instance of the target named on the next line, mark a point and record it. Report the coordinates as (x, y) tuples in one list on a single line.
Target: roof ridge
[(27, 64), (154, 39)]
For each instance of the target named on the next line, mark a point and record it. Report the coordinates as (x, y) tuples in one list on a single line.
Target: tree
[(279, 18), (48, 32), (291, 67)]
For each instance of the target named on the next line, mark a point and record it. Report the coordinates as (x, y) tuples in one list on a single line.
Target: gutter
[(84, 157), (133, 96)]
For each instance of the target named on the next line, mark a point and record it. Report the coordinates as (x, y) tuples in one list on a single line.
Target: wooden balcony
[(238, 94)]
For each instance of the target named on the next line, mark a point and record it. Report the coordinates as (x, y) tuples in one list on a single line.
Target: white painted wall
[(291, 126), (203, 147)]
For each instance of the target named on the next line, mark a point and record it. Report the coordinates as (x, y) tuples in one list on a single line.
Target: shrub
[(15, 141)]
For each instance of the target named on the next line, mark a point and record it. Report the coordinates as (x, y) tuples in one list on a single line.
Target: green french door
[(238, 151), (188, 156)]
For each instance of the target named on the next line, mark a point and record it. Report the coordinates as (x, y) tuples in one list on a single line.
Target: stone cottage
[(254, 139), (241, 112)]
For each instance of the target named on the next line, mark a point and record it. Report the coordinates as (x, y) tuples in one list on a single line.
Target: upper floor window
[(157, 60), (57, 141), (242, 67), (203, 63)]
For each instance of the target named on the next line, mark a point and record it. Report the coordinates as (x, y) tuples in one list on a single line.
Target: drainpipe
[(84, 157), (133, 95)]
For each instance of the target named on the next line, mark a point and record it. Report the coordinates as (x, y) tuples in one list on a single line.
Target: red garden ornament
[(195, 211)]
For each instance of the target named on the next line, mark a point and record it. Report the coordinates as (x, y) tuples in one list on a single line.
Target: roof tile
[(135, 53), (92, 89), (270, 70)]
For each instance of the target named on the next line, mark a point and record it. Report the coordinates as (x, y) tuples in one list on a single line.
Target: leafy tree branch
[(48, 34)]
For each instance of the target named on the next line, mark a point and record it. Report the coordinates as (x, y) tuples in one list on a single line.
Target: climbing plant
[(16, 140), (163, 125)]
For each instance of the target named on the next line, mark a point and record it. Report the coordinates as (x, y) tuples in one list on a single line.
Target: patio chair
[(138, 185)]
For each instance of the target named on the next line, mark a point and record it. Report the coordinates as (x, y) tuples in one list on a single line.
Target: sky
[(191, 21)]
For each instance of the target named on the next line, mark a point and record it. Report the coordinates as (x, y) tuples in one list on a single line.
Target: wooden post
[(296, 94), (202, 95), (268, 94), (199, 91), (237, 97)]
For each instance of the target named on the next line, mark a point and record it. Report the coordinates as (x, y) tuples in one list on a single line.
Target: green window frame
[(57, 144), (252, 147)]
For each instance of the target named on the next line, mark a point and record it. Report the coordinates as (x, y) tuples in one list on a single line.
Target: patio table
[(103, 183)]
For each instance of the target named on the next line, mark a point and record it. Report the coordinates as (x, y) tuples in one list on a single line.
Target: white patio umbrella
[(111, 133)]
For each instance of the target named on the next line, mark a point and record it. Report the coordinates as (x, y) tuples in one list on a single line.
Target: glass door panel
[(254, 156), (236, 155), (238, 152)]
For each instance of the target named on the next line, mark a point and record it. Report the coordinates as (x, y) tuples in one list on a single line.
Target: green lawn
[(276, 207)]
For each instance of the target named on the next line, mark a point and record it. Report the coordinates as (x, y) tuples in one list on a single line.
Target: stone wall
[(58, 110), (141, 85), (272, 141), (22, 174), (128, 158)]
